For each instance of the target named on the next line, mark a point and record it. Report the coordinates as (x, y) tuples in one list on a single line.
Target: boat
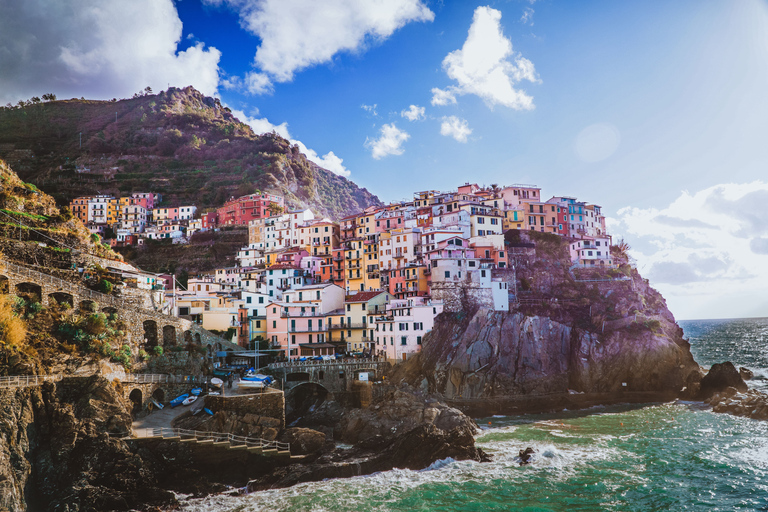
[(156, 403), (179, 399), (255, 380), (189, 400), (216, 382), (196, 391), (208, 411)]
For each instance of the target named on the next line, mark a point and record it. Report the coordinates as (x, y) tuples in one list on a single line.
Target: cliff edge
[(593, 335)]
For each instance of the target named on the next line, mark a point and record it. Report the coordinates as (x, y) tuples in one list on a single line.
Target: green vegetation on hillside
[(179, 143)]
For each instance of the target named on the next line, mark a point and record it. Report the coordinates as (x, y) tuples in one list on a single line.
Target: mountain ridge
[(180, 143)]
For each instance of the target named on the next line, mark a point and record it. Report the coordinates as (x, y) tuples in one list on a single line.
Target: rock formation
[(603, 332)]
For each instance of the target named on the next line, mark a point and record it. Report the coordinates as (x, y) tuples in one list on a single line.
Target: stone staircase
[(218, 440)]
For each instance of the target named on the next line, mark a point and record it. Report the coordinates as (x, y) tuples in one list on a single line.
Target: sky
[(655, 110)]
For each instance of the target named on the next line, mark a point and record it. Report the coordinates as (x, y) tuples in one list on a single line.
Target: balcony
[(332, 326), (306, 330)]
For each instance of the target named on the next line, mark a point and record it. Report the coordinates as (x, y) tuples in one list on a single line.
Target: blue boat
[(196, 391), (179, 399), (208, 411)]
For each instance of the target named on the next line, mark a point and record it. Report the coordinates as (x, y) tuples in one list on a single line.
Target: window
[(418, 340), (447, 274), (403, 340), (274, 324), (293, 339), (349, 306)]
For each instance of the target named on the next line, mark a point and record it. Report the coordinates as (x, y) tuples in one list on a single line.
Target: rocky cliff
[(570, 332), (56, 452), (179, 143)]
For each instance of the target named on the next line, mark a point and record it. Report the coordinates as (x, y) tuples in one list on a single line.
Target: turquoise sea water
[(676, 456)]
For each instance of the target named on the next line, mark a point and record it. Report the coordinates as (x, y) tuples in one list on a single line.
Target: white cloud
[(487, 67), (441, 97), (706, 252), (454, 127), (390, 142), (98, 50), (527, 17), (371, 109), (297, 34), (262, 125), (413, 113)]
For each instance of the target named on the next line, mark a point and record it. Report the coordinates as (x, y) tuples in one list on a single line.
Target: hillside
[(33, 230), (179, 143)]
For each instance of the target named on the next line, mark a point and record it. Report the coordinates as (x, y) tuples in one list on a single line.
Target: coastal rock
[(303, 440), (394, 413), (56, 437), (746, 373), (751, 404), (720, 377), (498, 354), (414, 449)]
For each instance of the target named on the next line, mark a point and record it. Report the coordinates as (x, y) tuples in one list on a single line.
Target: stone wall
[(456, 295), (270, 403)]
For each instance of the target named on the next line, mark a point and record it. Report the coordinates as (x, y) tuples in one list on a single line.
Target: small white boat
[(216, 382), (250, 384), (189, 400)]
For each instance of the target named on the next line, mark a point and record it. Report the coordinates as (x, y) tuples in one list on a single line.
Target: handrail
[(22, 381), (151, 378), (329, 362), (251, 442)]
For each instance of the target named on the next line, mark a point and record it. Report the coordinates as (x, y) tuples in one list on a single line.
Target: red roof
[(279, 266), (362, 296)]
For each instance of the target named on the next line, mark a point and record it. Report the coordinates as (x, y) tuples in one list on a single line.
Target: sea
[(660, 456)]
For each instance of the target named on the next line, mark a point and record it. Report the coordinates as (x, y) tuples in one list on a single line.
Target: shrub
[(95, 324), (12, 328), (143, 354), (158, 350), (104, 286)]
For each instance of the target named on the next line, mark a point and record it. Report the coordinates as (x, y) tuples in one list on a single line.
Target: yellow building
[(354, 252), (513, 219), (354, 324)]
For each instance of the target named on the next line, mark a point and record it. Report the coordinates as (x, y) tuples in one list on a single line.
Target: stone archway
[(30, 292), (187, 337), (62, 298), (159, 395), (109, 310), (169, 335), (150, 334), (5, 286), (136, 397), (198, 339), (302, 398)]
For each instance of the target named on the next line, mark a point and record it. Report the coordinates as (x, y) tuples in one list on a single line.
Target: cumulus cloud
[(297, 34), (701, 247), (454, 127), (441, 97), (414, 113), (262, 125), (389, 142), (487, 66), (98, 50)]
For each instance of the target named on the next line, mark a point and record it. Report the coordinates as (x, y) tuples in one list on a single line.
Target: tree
[(147, 90), (275, 209), (49, 97)]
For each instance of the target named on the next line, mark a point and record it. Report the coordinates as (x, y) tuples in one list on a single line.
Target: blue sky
[(655, 110)]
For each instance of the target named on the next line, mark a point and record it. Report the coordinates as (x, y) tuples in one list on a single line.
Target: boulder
[(746, 373), (720, 377), (303, 441)]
